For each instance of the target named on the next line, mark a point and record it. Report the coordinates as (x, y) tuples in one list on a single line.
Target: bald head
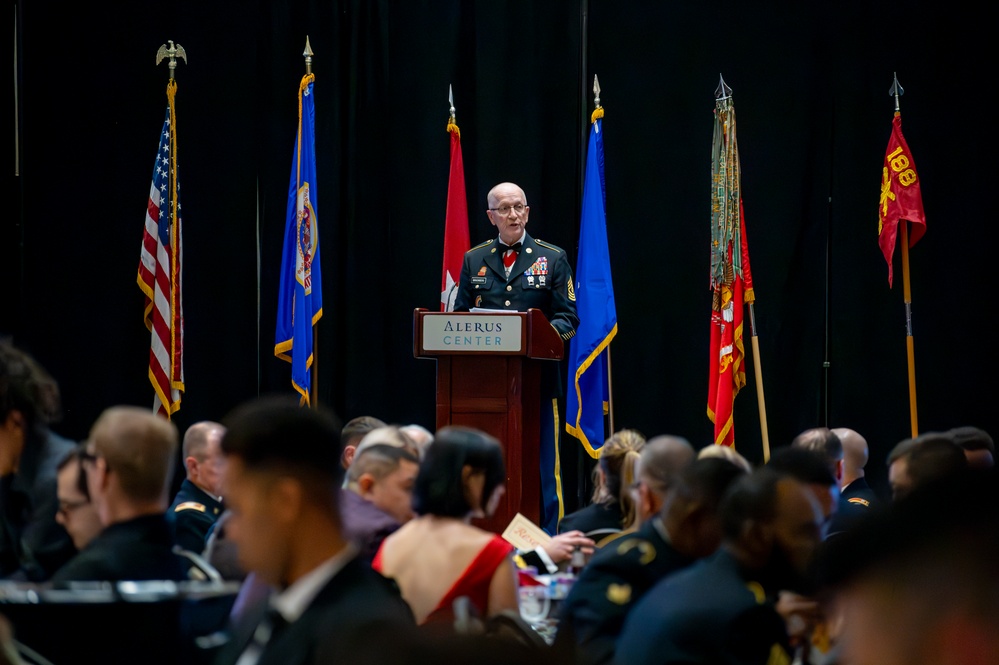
[(855, 454), (661, 459), (504, 189)]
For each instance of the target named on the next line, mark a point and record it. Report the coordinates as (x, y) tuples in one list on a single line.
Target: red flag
[(728, 353), (901, 198), (456, 239)]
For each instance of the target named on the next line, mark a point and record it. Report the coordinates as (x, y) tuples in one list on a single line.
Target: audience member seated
[(916, 582), (727, 453), (439, 556), (32, 544), (826, 443), (914, 462), (977, 445), (77, 513), (856, 497), (198, 504), (419, 435), (351, 435), (812, 468), (719, 610), (662, 459), (686, 529), (281, 483), (379, 494), (128, 461), (612, 508)]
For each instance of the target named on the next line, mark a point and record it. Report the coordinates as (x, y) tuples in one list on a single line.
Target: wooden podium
[(489, 377)]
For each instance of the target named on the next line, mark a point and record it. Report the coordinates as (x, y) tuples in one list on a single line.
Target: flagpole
[(314, 387), (895, 91), (760, 399), (910, 351)]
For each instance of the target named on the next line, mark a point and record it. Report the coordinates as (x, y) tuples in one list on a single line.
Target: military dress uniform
[(192, 514), (711, 612), (614, 580), (855, 502), (540, 278)]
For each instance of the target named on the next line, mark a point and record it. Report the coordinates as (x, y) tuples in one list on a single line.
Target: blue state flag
[(300, 297), (588, 394)]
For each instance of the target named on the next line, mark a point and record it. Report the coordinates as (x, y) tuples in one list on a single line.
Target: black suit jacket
[(354, 601), (138, 549), (32, 544)]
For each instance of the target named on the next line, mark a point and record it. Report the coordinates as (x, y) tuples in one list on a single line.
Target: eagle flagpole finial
[(172, 52)]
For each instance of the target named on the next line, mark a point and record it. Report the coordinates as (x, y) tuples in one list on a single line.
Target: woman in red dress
[(439, 556)]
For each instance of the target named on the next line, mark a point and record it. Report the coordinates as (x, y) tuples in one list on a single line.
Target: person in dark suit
[(32, 544), (128, 461), (514, 272), (619, 575), (281, 483), (197, 504), (719, 610)]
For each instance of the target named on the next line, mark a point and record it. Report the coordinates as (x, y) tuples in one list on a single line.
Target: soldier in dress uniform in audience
[(622, 572), (720, 610), (198, 504)]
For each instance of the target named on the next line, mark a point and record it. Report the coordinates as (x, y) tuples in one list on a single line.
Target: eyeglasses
[(506, 210), (66, 507), (87, 456)]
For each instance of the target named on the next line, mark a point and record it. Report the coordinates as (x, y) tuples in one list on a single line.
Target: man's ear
[(191, 465), (365, 484), (347, 458), (287, 497)]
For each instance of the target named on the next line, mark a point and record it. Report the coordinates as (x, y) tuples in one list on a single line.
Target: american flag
[(160, 274)]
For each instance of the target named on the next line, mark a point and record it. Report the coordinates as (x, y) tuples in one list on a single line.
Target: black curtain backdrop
[(810, 87)]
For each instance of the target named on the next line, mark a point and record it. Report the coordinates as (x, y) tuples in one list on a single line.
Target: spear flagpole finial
[(307, 54), (596, 91), (172, 52), (895, 90), (450, 100), (722, 92)]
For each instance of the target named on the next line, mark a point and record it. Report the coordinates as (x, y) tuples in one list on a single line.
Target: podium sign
[(459, 333), (489, 378)]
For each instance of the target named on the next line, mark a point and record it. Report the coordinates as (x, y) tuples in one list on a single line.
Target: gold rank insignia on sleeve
[(572, 293), (619, 594), (190, 505), (860, 502), (778, 656)]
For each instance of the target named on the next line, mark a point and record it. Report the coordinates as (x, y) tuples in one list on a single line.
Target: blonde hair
[(618, 466)]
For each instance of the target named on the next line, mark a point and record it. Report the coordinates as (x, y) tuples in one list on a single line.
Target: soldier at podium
[(515, 272)]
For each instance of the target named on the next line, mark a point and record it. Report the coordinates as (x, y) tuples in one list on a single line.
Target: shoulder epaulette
[(544, 244), (860, 502), (480, 245), (190, 505)]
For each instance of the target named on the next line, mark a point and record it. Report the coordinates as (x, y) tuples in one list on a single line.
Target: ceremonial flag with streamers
[(300, 299), (589, 371), (160, 268), (731, 280), (901, 198), (456, 238)]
